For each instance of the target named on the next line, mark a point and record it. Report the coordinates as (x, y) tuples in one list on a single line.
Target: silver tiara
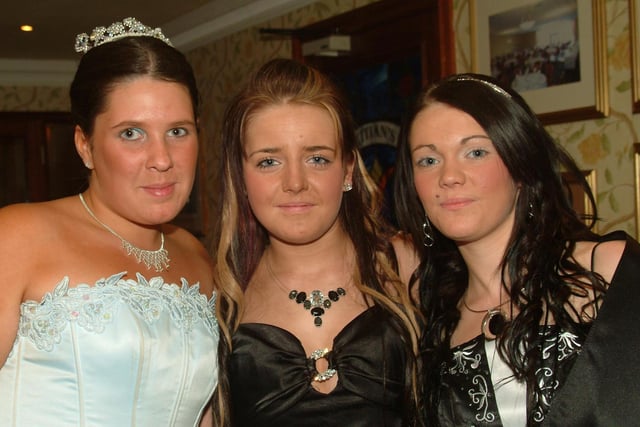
[(129, 27), (493, 86)]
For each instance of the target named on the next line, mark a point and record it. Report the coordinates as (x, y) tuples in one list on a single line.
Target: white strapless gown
[(119, 353)]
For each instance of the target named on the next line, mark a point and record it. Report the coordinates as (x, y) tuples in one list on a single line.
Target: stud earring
[(347, 186)]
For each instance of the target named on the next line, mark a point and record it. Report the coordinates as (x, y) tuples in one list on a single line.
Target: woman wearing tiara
[(107, 311), (529, 313), (321, 329)]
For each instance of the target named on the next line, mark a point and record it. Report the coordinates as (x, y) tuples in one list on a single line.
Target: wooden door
[(38, 160)]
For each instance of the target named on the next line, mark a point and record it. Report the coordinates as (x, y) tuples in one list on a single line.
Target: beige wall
[(604, 145)]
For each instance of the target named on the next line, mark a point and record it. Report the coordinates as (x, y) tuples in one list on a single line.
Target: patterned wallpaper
[(604, 145), (25, 98)]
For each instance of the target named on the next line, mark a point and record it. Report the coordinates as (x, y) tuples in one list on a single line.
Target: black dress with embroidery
[(468, 395), (270, 377)]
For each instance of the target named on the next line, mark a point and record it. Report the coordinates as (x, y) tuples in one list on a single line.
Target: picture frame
[(566, 38), (634, 34), (636, 184), (579, 199)]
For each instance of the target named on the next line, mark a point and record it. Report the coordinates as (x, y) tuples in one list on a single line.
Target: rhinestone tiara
[(129, 27)]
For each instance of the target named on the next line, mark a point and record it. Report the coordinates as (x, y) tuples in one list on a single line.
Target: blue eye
[(268, 162), (479, 152), (132, 134), (427, 161), (319, 160), (177, 132)]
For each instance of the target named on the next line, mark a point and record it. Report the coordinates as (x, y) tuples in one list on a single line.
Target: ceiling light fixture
[(26, 28)]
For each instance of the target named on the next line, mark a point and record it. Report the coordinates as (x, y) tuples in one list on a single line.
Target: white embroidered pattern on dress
[(481, 398), (469, 373), (467, 355), (568, 344), (548, 385), (94, 307), (564, 344)]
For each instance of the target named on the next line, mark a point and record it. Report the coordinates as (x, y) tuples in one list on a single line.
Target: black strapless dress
[(270, 377)]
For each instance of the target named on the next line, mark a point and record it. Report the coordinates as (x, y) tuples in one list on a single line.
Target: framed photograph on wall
[(553, 52), (634, 32)]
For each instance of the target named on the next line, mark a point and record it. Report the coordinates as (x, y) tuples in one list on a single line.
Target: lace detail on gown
[(121, 352), (92, 307)]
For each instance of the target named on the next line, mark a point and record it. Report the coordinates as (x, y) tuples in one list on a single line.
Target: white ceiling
[(46, 56)]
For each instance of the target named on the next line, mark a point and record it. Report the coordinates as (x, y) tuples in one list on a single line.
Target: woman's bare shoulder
[(26, 231), (26, 220), (602, 257)]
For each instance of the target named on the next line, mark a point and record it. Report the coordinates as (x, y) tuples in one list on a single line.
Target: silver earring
[(427, 231), (530, 214), (347, 186)]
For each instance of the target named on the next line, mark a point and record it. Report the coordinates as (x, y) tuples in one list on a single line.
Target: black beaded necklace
[(316, 302)]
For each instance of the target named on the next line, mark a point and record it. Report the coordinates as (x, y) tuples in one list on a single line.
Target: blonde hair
[(242, 239)]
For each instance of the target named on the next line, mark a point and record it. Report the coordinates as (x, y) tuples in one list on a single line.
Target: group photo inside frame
[(552, 52), (634, 21)]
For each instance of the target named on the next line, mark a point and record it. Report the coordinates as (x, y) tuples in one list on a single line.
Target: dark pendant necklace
[(317, 303), (493, 322)]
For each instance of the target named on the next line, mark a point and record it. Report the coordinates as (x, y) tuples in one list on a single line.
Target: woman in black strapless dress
[(320, 327)]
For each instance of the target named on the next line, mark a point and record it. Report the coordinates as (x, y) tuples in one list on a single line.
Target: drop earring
[(428, 233)]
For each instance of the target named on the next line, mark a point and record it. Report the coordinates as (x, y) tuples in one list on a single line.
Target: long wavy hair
[(538, 269), (242, 239)]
